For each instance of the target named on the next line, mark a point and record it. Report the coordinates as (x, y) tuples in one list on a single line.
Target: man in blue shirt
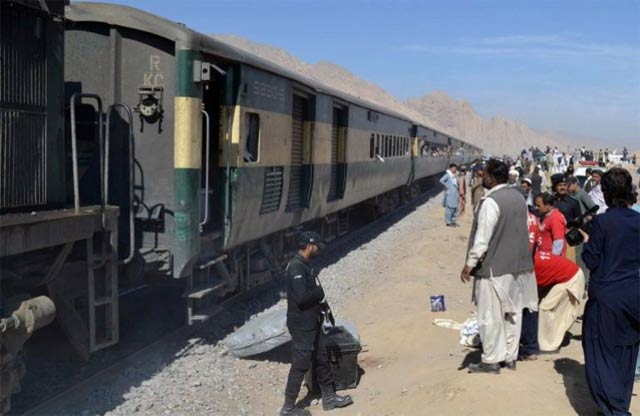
[(611, 326), (451, 195)]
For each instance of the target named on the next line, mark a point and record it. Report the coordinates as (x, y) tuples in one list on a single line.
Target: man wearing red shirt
[(561, 278), (529, 348), (552, 228)]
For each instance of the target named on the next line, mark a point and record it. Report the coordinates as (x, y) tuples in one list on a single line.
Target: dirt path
[(414, 368)]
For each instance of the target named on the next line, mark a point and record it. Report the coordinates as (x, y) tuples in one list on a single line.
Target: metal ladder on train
[(102, 265), (103, 298)]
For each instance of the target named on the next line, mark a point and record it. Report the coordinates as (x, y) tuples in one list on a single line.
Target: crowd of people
[(555, 161), (545, 251)]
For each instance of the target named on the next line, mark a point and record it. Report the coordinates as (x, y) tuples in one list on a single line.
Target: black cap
[(309, 237), (558, 178)]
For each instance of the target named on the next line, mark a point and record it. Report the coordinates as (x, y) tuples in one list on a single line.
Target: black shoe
[(510, 365), (484, 368), (289, 409), (333, 401), (295, 411)]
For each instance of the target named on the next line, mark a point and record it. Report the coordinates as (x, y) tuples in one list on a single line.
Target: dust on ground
[(412, 367)]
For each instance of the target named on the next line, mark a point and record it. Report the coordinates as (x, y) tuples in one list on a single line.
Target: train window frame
[(252, 143), (372, 144), (389, 143)]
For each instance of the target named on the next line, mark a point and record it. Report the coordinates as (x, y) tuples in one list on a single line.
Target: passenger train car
[(164, 152), (232, 152)]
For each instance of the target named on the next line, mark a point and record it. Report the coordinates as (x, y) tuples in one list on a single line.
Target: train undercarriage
[(58, 265), (220, 276)]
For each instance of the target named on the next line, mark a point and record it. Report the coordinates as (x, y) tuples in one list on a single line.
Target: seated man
[(560, 280)]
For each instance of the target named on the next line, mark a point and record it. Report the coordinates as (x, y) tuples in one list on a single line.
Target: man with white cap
[(525, 184), (513, 177)]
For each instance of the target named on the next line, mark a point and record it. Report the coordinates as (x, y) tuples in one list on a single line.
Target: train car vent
[(272, 189), (23, 109)]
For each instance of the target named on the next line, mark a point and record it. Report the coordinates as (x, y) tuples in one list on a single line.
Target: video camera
[(573, 236)]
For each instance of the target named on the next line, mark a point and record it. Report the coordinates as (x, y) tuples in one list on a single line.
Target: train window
[(378, 144), (252, 145), (372, 141), (395, 145)]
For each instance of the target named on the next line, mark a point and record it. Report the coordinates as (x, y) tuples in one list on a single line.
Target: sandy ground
[(414, 368), (411, 367)]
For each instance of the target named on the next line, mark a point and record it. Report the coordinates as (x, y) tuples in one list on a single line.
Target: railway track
[(177, 336)]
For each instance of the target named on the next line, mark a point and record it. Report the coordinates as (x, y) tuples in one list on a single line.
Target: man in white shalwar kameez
[(500, 262)]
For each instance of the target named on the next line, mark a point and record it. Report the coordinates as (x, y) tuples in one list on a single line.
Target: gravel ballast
[(193, 373)]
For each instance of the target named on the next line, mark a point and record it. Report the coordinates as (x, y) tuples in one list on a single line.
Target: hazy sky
[(560, 66)]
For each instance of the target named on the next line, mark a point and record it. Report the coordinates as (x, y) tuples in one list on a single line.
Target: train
[(134, 146)]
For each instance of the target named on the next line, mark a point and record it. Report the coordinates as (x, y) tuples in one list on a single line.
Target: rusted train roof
[(129, 17)]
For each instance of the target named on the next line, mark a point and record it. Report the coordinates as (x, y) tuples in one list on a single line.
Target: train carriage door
[(300, 176), (338, 173), (212, 191)]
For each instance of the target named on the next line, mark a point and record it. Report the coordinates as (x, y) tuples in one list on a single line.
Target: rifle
[(328, 321)]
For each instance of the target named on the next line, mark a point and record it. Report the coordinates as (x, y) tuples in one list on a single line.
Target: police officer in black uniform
[(306, 302), (568, 205)]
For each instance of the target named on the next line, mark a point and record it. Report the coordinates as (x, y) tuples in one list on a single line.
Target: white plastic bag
[(470, 333)]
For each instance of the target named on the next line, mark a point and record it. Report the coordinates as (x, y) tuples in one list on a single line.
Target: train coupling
[(33, 314)]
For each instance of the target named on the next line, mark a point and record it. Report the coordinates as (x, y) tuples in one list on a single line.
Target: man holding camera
[(569, 207), (586, 204), (306, 302)]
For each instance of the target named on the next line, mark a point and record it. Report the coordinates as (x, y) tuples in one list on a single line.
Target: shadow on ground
[(155, 316), (473, 356), (575, 385)]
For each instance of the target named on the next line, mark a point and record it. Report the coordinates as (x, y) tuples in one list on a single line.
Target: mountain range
[(498, 135)]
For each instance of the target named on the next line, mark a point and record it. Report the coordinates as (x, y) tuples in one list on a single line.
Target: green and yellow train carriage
[(233, 154)]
